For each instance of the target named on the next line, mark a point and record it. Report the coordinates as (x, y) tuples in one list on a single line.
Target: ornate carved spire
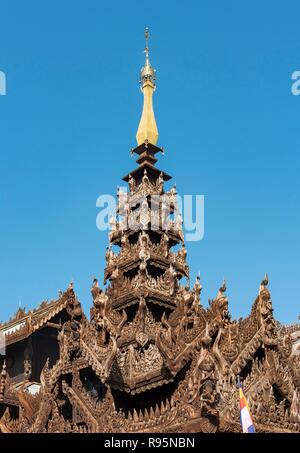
[(147, 129)]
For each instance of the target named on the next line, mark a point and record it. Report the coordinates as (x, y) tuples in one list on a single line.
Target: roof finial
[(147, 42), (147, 129), (147, 72), (264, 283)]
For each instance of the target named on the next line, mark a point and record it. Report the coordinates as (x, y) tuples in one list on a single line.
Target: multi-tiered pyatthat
[(144, 273), (151, 358)]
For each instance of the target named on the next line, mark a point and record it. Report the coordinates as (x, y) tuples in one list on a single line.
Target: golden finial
[(147, 129), (147, 72), (147, 42)]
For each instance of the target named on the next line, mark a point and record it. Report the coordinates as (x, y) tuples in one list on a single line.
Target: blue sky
[(226, 117)]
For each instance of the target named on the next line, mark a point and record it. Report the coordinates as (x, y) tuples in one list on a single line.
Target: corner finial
[(264, 283), (224, 286)]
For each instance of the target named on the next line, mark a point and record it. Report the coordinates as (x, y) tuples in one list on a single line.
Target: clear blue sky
[(226, 117)]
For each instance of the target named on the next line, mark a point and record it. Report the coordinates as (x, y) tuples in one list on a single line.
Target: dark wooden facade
[(150, 358)]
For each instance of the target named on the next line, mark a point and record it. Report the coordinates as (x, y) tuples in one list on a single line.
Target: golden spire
[(147, 129)]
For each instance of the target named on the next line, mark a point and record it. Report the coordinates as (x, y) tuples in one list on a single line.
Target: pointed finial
[(222, 288), (71, 285), (266, 279), (198, 285), (264, 283), (147, 130), (147, 72), (147, 42)]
